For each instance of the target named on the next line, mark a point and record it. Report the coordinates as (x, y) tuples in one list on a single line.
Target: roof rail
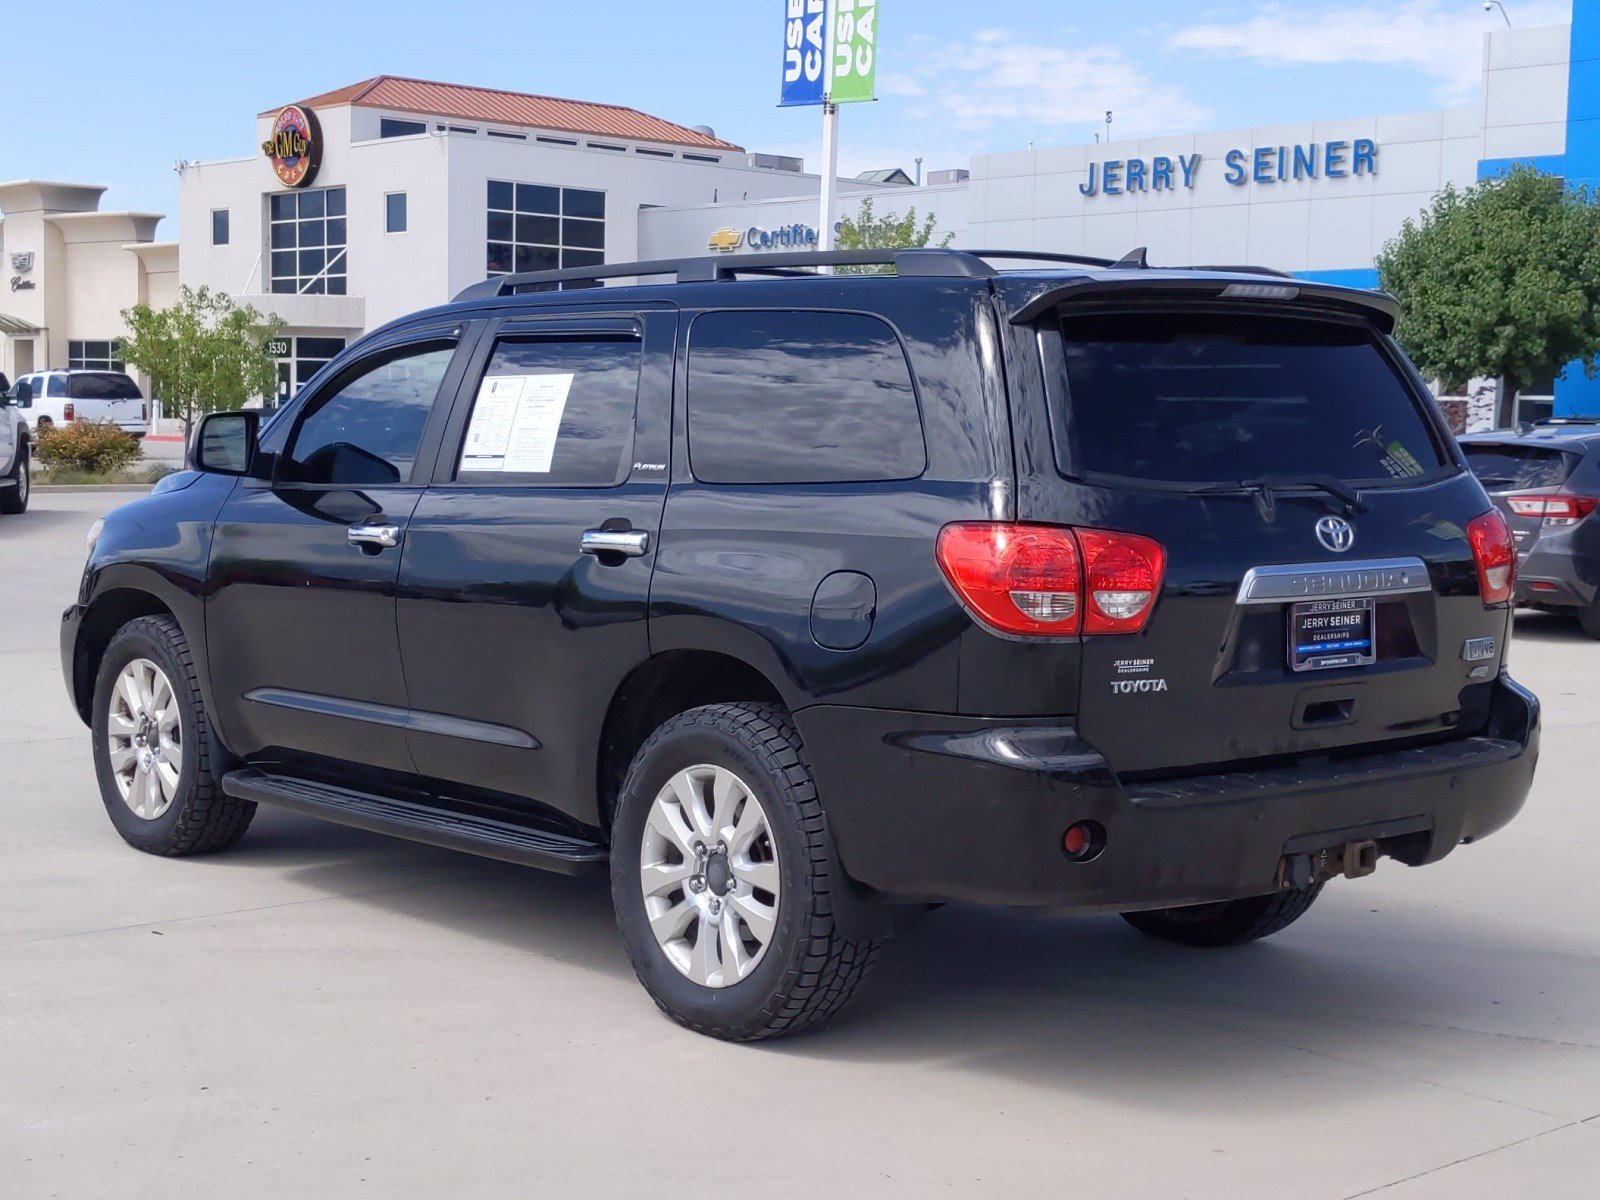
[(946, 264), (1047, 256)]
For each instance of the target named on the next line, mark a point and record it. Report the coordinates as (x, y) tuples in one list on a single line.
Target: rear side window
[(1200, 397), (801, 397), (1499, 467), (553, 413), (102, 385)]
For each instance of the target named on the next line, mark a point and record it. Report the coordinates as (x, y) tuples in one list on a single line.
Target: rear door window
[(554, 412), (102, 385), (1208, 397), (1501, 468), (801, 397)]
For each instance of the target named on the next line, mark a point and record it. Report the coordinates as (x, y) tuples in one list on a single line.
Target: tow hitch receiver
[(1353, 860)]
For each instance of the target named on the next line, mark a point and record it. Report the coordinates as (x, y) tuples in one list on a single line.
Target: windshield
[(102, 385), (1207, 397), (1499, 467)]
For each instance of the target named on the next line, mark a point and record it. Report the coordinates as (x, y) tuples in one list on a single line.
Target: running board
[(418, 822)]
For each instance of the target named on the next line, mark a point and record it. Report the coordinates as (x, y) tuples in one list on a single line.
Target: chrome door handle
[(381, 536), (630, 543)]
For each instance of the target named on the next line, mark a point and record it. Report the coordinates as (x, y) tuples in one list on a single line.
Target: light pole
[(1491, 5)]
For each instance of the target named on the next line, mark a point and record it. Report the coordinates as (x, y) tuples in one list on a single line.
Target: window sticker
[(1396, 459), (515, 422)]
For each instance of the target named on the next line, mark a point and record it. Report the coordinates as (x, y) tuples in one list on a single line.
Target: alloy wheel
[(709, 872), (145, 738)]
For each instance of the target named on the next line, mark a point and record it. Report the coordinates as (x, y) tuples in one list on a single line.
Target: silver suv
[(14, 460)]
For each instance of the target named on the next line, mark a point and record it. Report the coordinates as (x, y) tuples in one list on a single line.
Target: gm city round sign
[(295, 146)]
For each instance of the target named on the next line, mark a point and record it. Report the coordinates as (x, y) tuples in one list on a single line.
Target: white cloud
[(1440, 38), (995, 78)]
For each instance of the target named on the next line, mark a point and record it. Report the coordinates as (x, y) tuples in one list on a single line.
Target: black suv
[(1546, 480), (810, 600)]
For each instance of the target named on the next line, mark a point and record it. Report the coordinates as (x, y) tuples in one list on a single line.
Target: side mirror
[(224, 443)]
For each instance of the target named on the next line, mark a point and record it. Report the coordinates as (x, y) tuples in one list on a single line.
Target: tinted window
[(367, 430), (800, 398), (57, 385), (389, 127), (394, 212), (219, 227), (1209, 397), (101, 386), (1503, 467), (553, 414)]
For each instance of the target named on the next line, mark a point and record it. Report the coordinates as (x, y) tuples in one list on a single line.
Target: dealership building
[(391, 195), (354, 207)]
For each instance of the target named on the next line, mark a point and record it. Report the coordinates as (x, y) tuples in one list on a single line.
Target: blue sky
[(113, 93)]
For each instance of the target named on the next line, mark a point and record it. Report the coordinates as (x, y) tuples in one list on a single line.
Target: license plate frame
[(1320, 636)]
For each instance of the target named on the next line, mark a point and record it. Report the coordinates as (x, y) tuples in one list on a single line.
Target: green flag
[(853, 38)]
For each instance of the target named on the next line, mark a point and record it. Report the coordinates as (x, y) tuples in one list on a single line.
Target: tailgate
[(1321, 593)]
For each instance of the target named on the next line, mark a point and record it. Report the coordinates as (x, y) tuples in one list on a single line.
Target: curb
[(134, 488)]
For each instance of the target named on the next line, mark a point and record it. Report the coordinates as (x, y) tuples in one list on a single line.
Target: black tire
[(201, 818), (1230, 923), (1589, 619), (809, 969), (14, 499)]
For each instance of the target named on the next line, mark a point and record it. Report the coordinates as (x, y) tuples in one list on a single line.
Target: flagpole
[(830, 170)]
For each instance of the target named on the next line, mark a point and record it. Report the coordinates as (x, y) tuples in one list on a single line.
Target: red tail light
[(1051, 581), (1124, 573), (1496, 556), (1556, 510), (67, 412)]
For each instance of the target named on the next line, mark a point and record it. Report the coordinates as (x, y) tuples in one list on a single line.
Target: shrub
[(97, 447)]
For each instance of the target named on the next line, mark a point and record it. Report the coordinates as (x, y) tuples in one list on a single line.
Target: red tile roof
[(490, 106)]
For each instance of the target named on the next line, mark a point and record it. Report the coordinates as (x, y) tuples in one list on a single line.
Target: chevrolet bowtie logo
[(725, 240)]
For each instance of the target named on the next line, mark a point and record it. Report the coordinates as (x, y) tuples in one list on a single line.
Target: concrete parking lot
[(323, 1012)]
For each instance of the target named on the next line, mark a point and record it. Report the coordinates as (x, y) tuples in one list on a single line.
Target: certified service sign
[(295, 146)]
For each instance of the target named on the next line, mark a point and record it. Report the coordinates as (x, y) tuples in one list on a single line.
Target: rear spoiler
[(1380, 308)]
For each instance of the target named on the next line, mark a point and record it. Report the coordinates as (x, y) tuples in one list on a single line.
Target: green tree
[(868, 231), (1502, 280), (204, 354)]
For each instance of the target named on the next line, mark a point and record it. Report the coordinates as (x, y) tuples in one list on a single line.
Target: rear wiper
[(1266, 489)]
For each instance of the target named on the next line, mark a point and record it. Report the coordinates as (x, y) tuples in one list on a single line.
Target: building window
[(394, 212), (308, 242), (299, 359), (389, 127), (536, 228), (219, 227), (94, 356)]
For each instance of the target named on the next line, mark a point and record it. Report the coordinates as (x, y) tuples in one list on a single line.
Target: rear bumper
[(1562, 570), (929, 808)]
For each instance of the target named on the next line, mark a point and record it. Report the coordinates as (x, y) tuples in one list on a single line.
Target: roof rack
[(946, 264), (924, 263)]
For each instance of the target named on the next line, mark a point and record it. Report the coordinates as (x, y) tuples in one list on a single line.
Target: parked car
[(806, 602), (15, 480), (1545, 478), (50, 398)]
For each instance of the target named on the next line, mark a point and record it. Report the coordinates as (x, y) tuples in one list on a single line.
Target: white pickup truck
[(14, 459)]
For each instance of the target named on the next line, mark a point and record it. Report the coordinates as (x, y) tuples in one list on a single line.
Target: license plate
[(1328, 634)]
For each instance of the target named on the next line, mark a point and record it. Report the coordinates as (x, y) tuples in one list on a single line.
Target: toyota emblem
[(1335, 533)]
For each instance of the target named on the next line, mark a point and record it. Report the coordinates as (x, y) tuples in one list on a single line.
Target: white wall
[(1032, 199)]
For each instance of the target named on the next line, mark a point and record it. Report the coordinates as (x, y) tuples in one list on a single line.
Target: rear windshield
[(1227, 398), (102, 385), (1499, 467)]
